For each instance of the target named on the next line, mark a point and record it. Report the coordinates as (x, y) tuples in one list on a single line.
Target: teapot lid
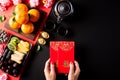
[(62, 9)]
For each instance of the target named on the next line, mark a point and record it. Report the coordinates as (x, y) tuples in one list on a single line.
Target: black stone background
[(95, 28)]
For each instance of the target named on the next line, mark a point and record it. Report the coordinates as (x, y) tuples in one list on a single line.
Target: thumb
[(71, 71), (52, 67)]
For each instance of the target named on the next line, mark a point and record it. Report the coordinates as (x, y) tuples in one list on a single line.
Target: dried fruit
[(11, 46)]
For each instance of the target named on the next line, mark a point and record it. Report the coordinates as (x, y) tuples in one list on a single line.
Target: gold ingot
[(41, 41), (45, 35)]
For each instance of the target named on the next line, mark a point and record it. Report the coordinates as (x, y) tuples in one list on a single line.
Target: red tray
[(32, 38)]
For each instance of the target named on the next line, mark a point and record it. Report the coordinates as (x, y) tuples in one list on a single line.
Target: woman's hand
[(49, 71), (74, 71)]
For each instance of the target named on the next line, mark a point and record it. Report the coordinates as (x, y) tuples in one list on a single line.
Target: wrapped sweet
[(3, 36), (1, 49)]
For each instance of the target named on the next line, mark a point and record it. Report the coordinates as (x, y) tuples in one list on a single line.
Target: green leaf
[(19, 31), (38, 48), (2, 18), (14, 13)]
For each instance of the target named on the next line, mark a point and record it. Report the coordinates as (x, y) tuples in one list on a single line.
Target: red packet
[(62, 53), (54, 52), (65, 56)]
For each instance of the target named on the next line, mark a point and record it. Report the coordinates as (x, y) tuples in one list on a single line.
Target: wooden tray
[(37, 27)]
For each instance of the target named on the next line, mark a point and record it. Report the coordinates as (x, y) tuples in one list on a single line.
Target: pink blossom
[(5, 2), (48, 3), (34, 3), (2, 8), (15, 2)]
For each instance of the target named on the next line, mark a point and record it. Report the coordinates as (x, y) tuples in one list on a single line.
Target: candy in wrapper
[(3, 36), (1, 49)]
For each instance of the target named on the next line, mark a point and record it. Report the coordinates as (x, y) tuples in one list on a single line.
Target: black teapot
[(62, 9)]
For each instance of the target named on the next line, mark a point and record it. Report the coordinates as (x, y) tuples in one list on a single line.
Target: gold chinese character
[(66, 63)]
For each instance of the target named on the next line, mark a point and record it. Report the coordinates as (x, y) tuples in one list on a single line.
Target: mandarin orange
[(21, 8), (13, 24), (22, 18), (34, 15), (27, 28)]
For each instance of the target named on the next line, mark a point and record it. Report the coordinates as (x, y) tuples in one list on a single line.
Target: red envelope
[(65, 56), (54, 52), (62, 53)]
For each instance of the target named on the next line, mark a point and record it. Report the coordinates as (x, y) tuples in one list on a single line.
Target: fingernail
[(71, 63), (66, 74), (52, 62)]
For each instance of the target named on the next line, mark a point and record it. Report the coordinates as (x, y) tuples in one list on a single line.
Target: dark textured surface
[(95, 28)]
